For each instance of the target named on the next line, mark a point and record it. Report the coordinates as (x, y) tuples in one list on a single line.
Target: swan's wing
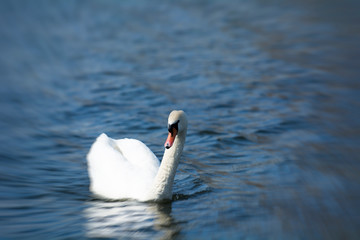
[(138, 154), (120, 168)]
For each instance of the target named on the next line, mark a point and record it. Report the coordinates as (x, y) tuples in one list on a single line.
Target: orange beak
[(170, 139)]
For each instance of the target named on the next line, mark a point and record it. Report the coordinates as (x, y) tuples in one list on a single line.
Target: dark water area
[(271, 90)]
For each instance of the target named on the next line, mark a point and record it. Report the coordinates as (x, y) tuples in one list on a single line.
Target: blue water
[(271, 90)]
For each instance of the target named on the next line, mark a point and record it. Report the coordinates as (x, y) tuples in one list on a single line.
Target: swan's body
[(127, 168)]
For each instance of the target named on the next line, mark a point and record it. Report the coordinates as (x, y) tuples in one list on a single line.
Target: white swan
[(127, 169)]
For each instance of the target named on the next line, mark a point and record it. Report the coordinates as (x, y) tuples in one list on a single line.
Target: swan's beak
[(170, 139)]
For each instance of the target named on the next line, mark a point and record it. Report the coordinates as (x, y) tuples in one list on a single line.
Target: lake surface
[(271, 90)]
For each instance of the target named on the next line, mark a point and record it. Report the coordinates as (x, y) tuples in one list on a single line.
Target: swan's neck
[(163, 182)]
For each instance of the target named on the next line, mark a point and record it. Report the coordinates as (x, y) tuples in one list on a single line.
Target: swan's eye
[(173, 126)]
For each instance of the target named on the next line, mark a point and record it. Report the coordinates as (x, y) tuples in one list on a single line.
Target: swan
[(128, 169)]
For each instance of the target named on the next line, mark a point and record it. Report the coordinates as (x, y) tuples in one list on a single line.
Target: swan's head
[(177, 125)]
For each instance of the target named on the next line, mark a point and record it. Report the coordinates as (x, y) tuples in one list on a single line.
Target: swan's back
[(120, 169)]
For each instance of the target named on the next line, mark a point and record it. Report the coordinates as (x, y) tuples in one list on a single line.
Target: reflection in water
[(129, 219)]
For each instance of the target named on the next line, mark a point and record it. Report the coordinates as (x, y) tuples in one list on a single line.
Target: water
[(270, 89)]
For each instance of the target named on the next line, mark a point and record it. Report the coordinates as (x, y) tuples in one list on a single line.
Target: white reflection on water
[(129, 219)]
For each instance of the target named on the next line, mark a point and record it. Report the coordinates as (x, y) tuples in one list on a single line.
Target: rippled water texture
[(271, 90)]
